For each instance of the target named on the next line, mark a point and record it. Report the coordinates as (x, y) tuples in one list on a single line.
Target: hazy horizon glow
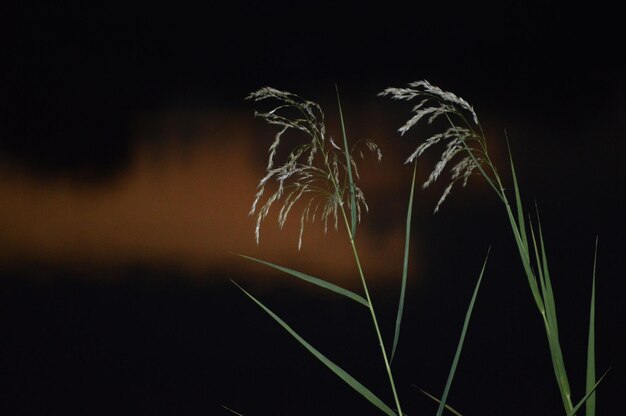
[(184, 202)]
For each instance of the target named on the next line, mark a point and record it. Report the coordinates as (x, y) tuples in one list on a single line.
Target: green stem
[(349, 228), (372, 312)]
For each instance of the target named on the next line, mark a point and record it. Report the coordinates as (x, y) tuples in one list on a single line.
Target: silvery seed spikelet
[(468, 140), (314, 171)]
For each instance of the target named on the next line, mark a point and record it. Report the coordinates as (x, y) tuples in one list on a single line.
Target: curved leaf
[(316, 281), (342, 374)]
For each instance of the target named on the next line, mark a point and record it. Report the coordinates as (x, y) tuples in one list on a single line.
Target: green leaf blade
[(342, 374), (518, 203), (590, 405), (588, 395), (311, 279), (553, 328), (346, 149), (459, 348), (405, 266), (518, 226)]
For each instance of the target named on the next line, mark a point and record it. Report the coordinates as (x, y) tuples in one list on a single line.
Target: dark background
[(152, 341)]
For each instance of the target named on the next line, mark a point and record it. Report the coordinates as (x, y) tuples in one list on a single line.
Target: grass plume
[(316, 171), (319, 176)]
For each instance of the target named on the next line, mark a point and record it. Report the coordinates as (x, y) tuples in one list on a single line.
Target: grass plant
[(465, 143), (319, 176)]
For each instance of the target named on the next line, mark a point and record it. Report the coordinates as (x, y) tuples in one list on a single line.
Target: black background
[(154, 342)]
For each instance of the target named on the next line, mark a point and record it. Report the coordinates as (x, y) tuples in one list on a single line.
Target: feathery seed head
[(467, 138), (315, 171)]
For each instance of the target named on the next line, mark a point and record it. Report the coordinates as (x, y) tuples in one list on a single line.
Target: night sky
[(129, 159)]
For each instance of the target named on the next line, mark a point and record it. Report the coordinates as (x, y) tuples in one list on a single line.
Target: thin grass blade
[(342, 374), (518, 202), (518, 227), (549, 293), (553, 328), (459, 347), (542, 281), (231, 410), (549, 317), (589, 394), (405, 266), (430, 396), (590, 405), (353, 210), (314, 280), (525, 257)]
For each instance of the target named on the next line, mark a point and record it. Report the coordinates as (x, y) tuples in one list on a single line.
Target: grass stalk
[(368, 298), (351, 230)]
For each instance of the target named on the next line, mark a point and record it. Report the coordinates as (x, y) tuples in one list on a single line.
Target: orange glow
[(185, 203)]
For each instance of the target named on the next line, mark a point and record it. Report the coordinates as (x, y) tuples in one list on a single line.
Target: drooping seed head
[(465, 139), (315, 171)]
